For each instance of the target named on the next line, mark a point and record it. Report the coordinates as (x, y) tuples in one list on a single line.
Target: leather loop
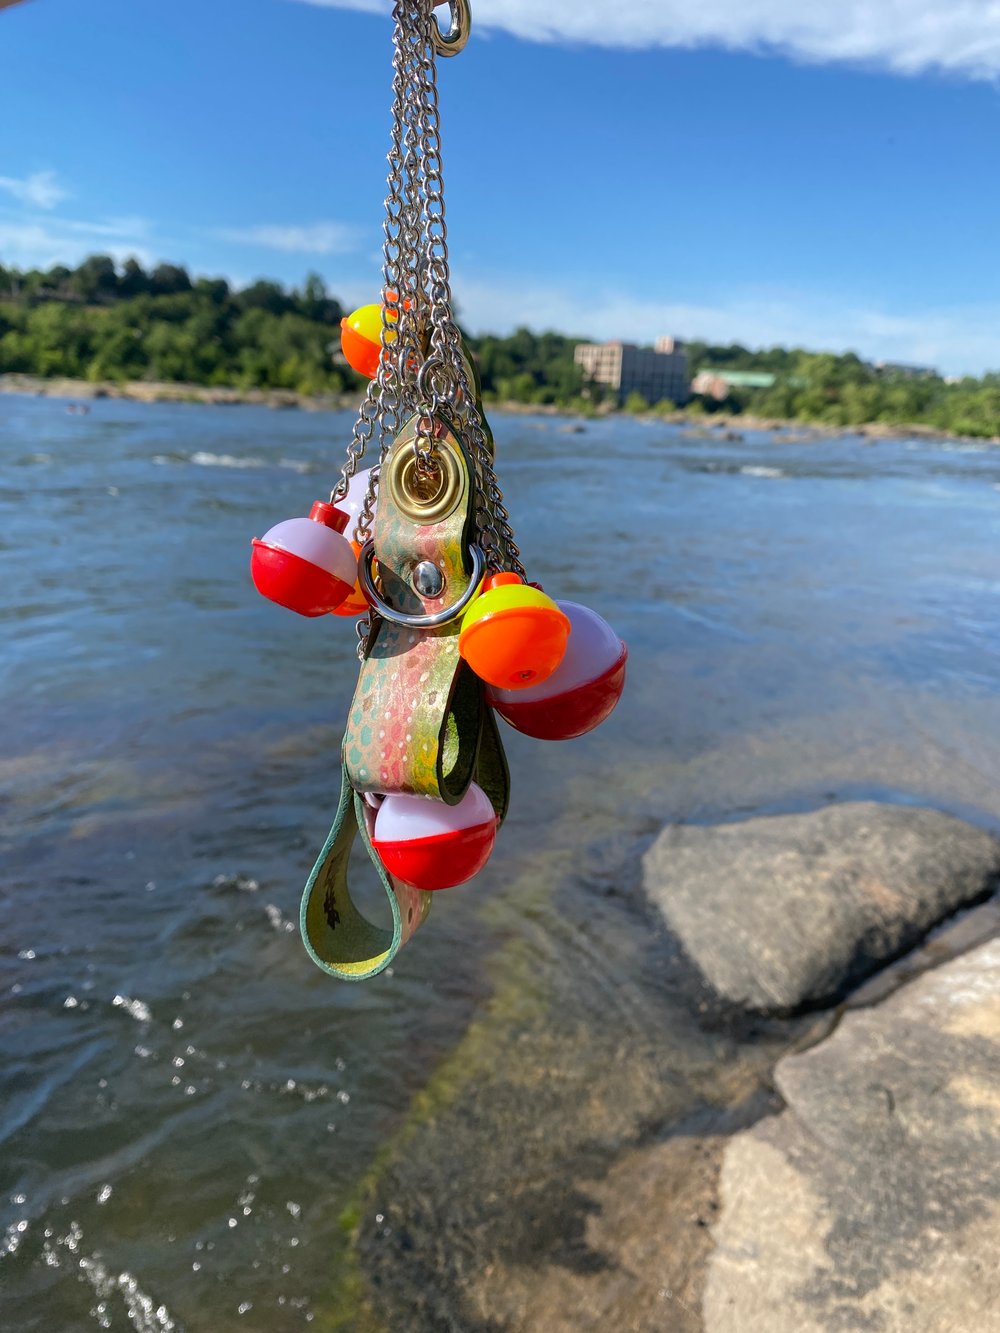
[(338, 938)]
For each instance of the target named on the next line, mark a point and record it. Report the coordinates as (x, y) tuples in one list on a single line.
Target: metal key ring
[(451, 42), (413, 621)]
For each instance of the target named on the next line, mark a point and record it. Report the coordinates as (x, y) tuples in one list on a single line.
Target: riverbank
[(158, 391), (731, 424), (626, 1204)]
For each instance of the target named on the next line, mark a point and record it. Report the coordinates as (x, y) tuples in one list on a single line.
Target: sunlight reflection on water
[(187, 1103)]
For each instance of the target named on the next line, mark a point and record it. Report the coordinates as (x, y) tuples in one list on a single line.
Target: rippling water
[(186, 1104)]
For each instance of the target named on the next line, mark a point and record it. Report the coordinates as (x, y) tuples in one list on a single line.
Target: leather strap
[(419, 723), (417, 713)]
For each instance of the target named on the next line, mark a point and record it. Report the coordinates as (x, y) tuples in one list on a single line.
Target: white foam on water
[(277, 919), (142, 1312), (13, 1236), (244, 883), (752, 470), (299, 1089), (139, 1010), (204, 459)]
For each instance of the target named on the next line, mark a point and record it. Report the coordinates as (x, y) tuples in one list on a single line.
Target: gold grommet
[(423, 495)]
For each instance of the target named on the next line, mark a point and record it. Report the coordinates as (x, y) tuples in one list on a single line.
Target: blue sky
[(735, 169)]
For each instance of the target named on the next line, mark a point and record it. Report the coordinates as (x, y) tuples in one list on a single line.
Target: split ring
[(429, 620)]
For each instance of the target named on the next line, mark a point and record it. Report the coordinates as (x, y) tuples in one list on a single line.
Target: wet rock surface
[(788, 912), (560, 1171), (873, 1200)]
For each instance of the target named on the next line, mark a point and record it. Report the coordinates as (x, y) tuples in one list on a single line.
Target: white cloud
[(33, 239), (317, 238), (42, 242), (115, 228), (905, 36), (957, 340), (39, 190)]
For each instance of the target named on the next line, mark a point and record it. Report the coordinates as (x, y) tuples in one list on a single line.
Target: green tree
[(215, 290), (95, 280), (169, 279), (134, 280), (96, 322), (265, 295)]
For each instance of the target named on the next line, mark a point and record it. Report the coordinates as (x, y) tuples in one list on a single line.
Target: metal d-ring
[(413, 621), (451, 42)]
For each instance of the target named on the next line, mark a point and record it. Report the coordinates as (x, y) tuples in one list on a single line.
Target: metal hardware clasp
[(450, 42)]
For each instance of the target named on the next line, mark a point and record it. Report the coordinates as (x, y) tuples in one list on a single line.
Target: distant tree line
[(846, 391), (102, 321)]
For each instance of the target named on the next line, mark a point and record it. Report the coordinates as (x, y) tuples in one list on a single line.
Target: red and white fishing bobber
[(582, 690), (431, 845), (306, 564)]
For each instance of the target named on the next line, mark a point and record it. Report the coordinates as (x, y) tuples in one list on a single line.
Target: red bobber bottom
[(306, 564), (430, 845), (580, 693)]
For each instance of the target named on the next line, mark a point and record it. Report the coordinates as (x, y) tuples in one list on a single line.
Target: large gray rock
[(788, 911), (873, 1201)]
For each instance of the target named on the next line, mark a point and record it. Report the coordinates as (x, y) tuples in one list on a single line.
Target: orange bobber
[(361, 335), (356, 603), (513, 635)]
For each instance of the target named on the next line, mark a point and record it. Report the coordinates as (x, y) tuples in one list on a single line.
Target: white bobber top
[(403, 818), (593, 648), (313, 541)]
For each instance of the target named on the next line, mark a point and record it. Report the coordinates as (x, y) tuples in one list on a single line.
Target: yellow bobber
[(361, 337), (513, 635)]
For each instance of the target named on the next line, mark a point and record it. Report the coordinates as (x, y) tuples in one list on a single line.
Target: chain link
[(423, 367)]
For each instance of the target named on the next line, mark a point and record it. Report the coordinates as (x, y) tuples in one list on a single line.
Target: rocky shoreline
[(149, 391), (872, 1201), (155, 391), (836, 1168)]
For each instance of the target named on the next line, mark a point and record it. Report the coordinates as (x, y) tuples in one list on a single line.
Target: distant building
[(654, 372), (902, 370), (717, 384)]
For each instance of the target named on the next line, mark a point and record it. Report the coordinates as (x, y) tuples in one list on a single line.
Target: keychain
[(421, 545)]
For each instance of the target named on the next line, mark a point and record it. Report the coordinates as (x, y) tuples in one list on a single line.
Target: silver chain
[(423, 368)]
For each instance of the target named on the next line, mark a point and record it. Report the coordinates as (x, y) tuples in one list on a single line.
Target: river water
[(187, 1106)]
